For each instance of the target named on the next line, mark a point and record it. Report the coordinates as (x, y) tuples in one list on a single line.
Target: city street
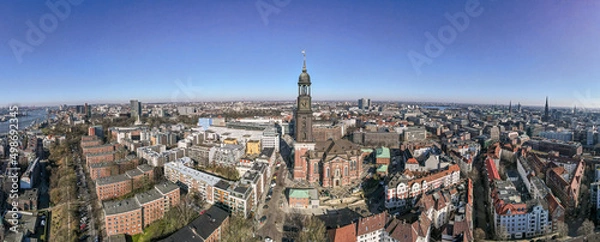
[(273, 226), (86, 197)]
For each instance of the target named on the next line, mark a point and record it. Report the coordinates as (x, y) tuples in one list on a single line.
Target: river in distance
[(37, 115)]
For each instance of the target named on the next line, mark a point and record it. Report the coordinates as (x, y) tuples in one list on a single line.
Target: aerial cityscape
[(283, 120)]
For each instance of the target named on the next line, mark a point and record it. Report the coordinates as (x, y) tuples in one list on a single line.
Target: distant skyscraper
[(509, 106), (364, 103), (80, 109), (136, 108), (87, 110), (519, 107)]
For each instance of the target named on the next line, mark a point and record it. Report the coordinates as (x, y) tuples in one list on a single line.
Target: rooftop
[(145, 168), (133, 173), (192, 173), (100, 154), (123, 206), (201, 228), (148, 196), (383, 152), (166, 187), (112, 179), (102, 164)]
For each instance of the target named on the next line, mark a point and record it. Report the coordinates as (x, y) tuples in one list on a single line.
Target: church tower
[(546, 117), (303, 127)]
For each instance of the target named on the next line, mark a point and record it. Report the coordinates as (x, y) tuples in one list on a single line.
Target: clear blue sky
[(113, 51)]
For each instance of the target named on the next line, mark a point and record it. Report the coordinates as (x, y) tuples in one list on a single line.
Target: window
[(345, 171), (327, 172)]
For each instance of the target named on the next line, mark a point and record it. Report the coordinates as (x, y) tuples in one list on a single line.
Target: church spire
[(546, 112), (304, 66)]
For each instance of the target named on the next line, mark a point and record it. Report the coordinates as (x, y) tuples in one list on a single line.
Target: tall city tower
[(303, 128)]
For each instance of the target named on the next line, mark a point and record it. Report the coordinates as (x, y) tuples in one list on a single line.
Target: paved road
[(273, 226), (85, 195)]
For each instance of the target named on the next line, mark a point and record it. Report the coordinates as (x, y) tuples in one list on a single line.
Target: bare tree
[(479, 234), (562, 229), (587, 228), (502, 233), (313, 230), (239, 230)]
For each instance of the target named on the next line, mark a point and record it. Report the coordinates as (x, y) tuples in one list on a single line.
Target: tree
[(562, 229), (239, 230), (587, 228), (313, 230), (502, 233), (479, 234)]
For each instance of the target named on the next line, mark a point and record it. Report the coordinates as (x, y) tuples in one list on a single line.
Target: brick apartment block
[(130, 216), (99, 157), (113, 186), (103, 169), (98, 149)]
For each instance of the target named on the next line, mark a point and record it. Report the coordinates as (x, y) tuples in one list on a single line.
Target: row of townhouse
[(401, 190), (383, 228)]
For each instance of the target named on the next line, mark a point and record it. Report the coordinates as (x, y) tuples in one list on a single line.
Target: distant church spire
[(510, 106), (546, 113)]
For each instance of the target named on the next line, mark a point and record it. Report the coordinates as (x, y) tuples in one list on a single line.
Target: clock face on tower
[(304, 103)]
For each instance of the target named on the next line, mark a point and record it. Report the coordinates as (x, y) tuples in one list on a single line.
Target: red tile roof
[(470, 191), (343, 234), (370, 224), (436, 176), (492, 170), (403, 231)]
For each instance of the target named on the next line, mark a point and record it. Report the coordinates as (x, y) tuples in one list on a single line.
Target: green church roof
[(383, 152), (299, 193)]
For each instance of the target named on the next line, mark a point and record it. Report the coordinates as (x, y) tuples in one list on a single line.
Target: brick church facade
[(330, 163)]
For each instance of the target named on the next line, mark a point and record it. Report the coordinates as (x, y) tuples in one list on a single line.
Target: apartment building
[(113, 186), (402, 188), (132, 215)]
